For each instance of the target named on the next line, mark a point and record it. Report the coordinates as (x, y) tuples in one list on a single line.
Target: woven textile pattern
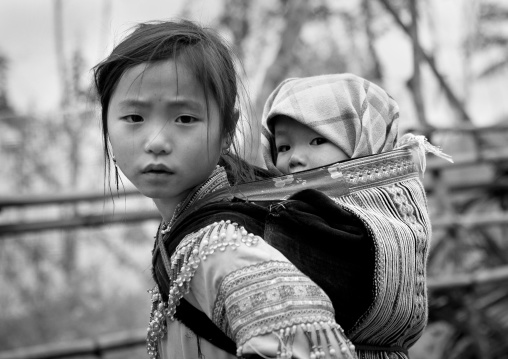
[(398, 218), (337, 179), (266, 297)]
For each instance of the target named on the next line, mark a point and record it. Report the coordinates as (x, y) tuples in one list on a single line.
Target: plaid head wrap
[(356, 115)]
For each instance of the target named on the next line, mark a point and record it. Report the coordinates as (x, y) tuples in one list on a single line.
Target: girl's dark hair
[(203, 52), (208, 57)]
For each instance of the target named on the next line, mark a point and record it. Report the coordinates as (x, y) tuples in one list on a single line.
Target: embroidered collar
[(217, 180)]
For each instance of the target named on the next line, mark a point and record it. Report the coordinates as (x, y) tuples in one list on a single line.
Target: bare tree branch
[(456, 103), (416, 81)]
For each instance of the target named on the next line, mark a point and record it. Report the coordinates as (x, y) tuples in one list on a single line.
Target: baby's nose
[(298, 162)]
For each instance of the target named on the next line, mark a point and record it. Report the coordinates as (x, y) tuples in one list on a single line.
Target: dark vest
[(326, 242)]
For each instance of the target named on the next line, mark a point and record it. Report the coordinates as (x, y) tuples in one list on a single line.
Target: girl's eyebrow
[(180, 103), (133, 103), (187, 103)]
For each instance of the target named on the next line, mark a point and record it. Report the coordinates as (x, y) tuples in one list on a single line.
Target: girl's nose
[(297, 162), (159, 142)]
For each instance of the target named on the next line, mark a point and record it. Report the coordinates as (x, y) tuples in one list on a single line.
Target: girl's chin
[(157, 195), (163, 195)]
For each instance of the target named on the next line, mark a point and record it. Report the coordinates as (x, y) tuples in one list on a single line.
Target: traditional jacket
[(218, 263)]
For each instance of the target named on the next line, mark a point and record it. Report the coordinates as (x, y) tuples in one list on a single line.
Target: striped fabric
[(354, 114), (386, 193), (397, 217)]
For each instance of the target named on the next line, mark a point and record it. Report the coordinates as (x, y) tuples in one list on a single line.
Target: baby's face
[(299, 148)]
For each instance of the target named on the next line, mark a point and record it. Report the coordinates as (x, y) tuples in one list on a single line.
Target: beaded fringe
[(318, 336)]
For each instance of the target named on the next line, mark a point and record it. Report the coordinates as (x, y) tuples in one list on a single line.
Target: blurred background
[(75, 251)]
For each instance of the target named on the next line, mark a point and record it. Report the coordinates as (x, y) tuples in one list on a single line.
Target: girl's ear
[(226, 141)]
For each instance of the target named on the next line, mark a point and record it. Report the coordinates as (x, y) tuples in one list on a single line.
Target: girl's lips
[(157, 169)]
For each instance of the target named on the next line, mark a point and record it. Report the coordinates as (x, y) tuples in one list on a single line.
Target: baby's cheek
[(281, 165)]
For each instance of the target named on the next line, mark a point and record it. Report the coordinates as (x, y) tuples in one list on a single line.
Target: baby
[(314, 121), (362, 234)]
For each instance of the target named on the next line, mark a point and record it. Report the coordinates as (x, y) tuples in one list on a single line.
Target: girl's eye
[(133, 118), (283, 148), (186, 119), (318, 141)]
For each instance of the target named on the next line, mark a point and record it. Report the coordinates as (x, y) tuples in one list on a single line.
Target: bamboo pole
[(470, 128), (86, 347), (59, 199), (469, 159), (456, 281), (478, 186), (78, 222), (471, 220)]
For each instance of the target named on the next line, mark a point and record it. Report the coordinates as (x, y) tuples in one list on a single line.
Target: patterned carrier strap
[(406, 161), (340, 179)]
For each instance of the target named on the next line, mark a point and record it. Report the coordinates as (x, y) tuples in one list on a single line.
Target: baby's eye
[(133, 118), (283, 148), (186, 119), (318, 141)]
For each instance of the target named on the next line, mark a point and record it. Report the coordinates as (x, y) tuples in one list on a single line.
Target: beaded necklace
[(161, 310)]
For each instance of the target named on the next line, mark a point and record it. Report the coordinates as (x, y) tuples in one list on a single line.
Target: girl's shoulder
[(246, 214)]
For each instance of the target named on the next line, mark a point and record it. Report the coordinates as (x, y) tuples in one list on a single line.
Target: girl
[(348, 128), (169, 112)]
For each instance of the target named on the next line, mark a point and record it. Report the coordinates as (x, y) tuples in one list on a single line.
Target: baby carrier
[(359, 229)]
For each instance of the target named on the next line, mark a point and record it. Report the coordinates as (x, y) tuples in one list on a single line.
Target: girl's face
[(162, 137), (299, 148)]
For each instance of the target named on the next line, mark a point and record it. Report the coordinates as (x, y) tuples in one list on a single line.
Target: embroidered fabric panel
[(266, 297), (397, 216), (338, 179), (372, 171)]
